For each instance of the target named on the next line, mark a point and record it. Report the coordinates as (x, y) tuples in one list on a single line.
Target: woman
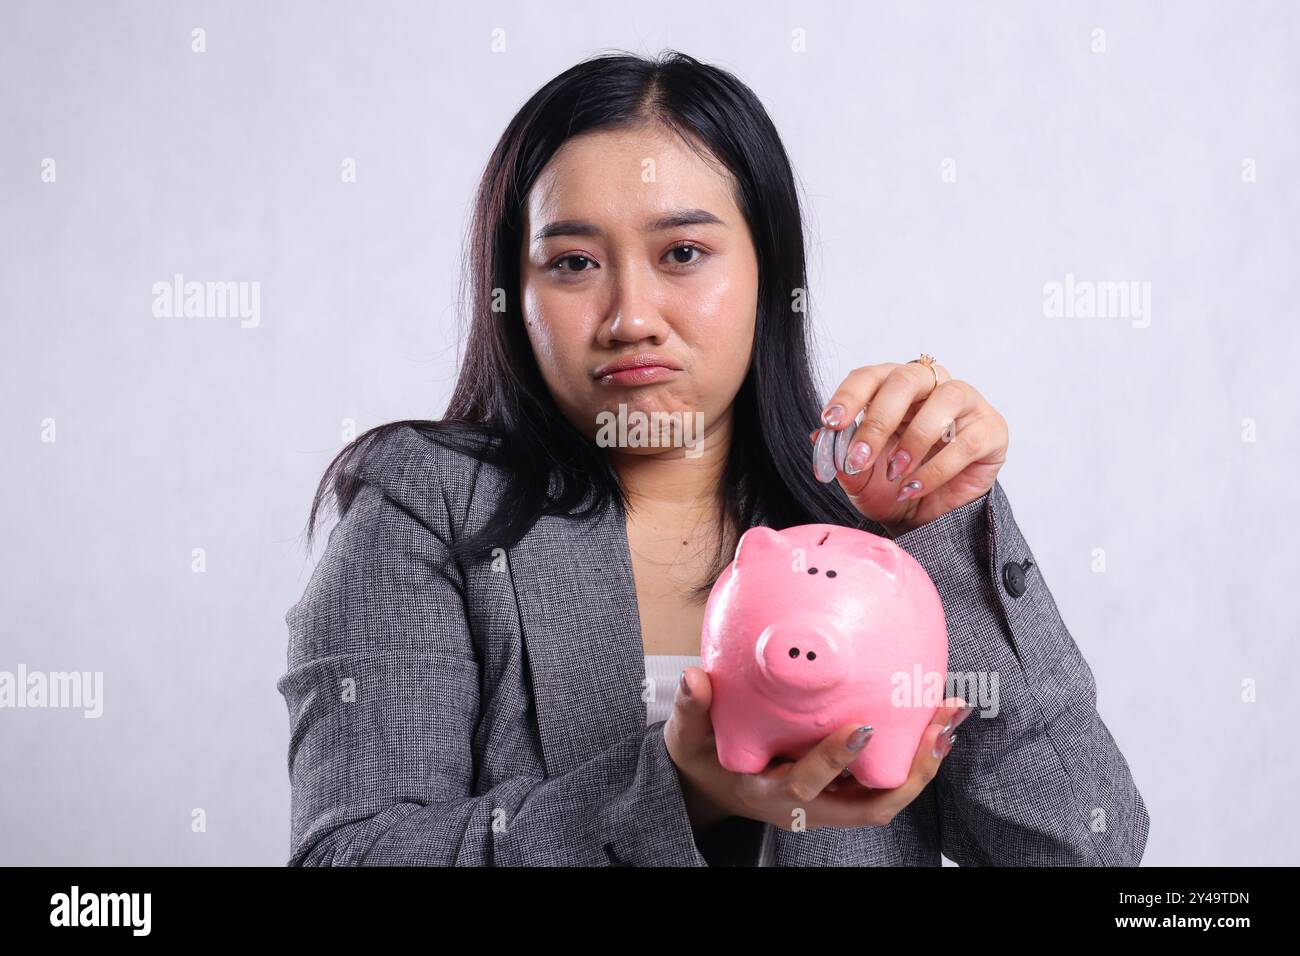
[(467, 664)]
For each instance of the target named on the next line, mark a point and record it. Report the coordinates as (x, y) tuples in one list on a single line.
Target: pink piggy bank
[(815, 627)]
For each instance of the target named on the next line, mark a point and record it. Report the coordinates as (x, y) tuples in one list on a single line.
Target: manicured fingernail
[(843, 438), (860, 737), (857, 458), (833, 415), (824, 456), (943, 744), (909, 489), (898, 463)]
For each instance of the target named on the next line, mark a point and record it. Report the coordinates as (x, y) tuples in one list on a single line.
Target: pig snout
[(799, 658)]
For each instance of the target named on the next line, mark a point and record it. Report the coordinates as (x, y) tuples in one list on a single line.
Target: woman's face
[(634, 245)]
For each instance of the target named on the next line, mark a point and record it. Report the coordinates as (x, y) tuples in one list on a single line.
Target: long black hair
[(502, 412)]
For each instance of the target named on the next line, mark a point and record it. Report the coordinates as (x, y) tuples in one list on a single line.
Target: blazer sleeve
[(383, 691), (1036, 779)]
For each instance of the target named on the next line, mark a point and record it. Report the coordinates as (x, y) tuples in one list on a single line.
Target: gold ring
[(928, 362)]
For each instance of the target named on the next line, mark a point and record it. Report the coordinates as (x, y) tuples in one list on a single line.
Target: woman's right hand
[(817, 784)]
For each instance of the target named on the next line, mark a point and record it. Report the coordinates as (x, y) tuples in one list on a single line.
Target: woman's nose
[(634, 313)]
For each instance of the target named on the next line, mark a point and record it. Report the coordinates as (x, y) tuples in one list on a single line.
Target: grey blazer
[(493, 714)]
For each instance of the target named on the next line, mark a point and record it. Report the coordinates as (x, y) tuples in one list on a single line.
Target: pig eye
[(812, 570), (812, 655), (830, 574), (794, 652)]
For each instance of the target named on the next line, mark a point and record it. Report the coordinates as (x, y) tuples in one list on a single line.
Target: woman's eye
[(555, 266), (685, 248)]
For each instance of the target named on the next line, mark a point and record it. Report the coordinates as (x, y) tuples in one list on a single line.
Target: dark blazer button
[(1013, 577)]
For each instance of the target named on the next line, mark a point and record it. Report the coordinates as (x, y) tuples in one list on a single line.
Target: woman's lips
[(641, 375)]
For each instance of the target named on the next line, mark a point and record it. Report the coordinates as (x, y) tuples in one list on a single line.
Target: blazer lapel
[(582, 634)]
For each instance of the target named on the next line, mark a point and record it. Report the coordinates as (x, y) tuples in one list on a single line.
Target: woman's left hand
[(928, 449)]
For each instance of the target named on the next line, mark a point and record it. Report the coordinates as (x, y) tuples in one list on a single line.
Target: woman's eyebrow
[(673, 220)]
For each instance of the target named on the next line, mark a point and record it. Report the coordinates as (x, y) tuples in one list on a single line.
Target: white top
[(663, 673)]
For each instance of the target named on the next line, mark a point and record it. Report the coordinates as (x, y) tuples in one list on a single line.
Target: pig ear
[(884, 553), (758, 541)]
